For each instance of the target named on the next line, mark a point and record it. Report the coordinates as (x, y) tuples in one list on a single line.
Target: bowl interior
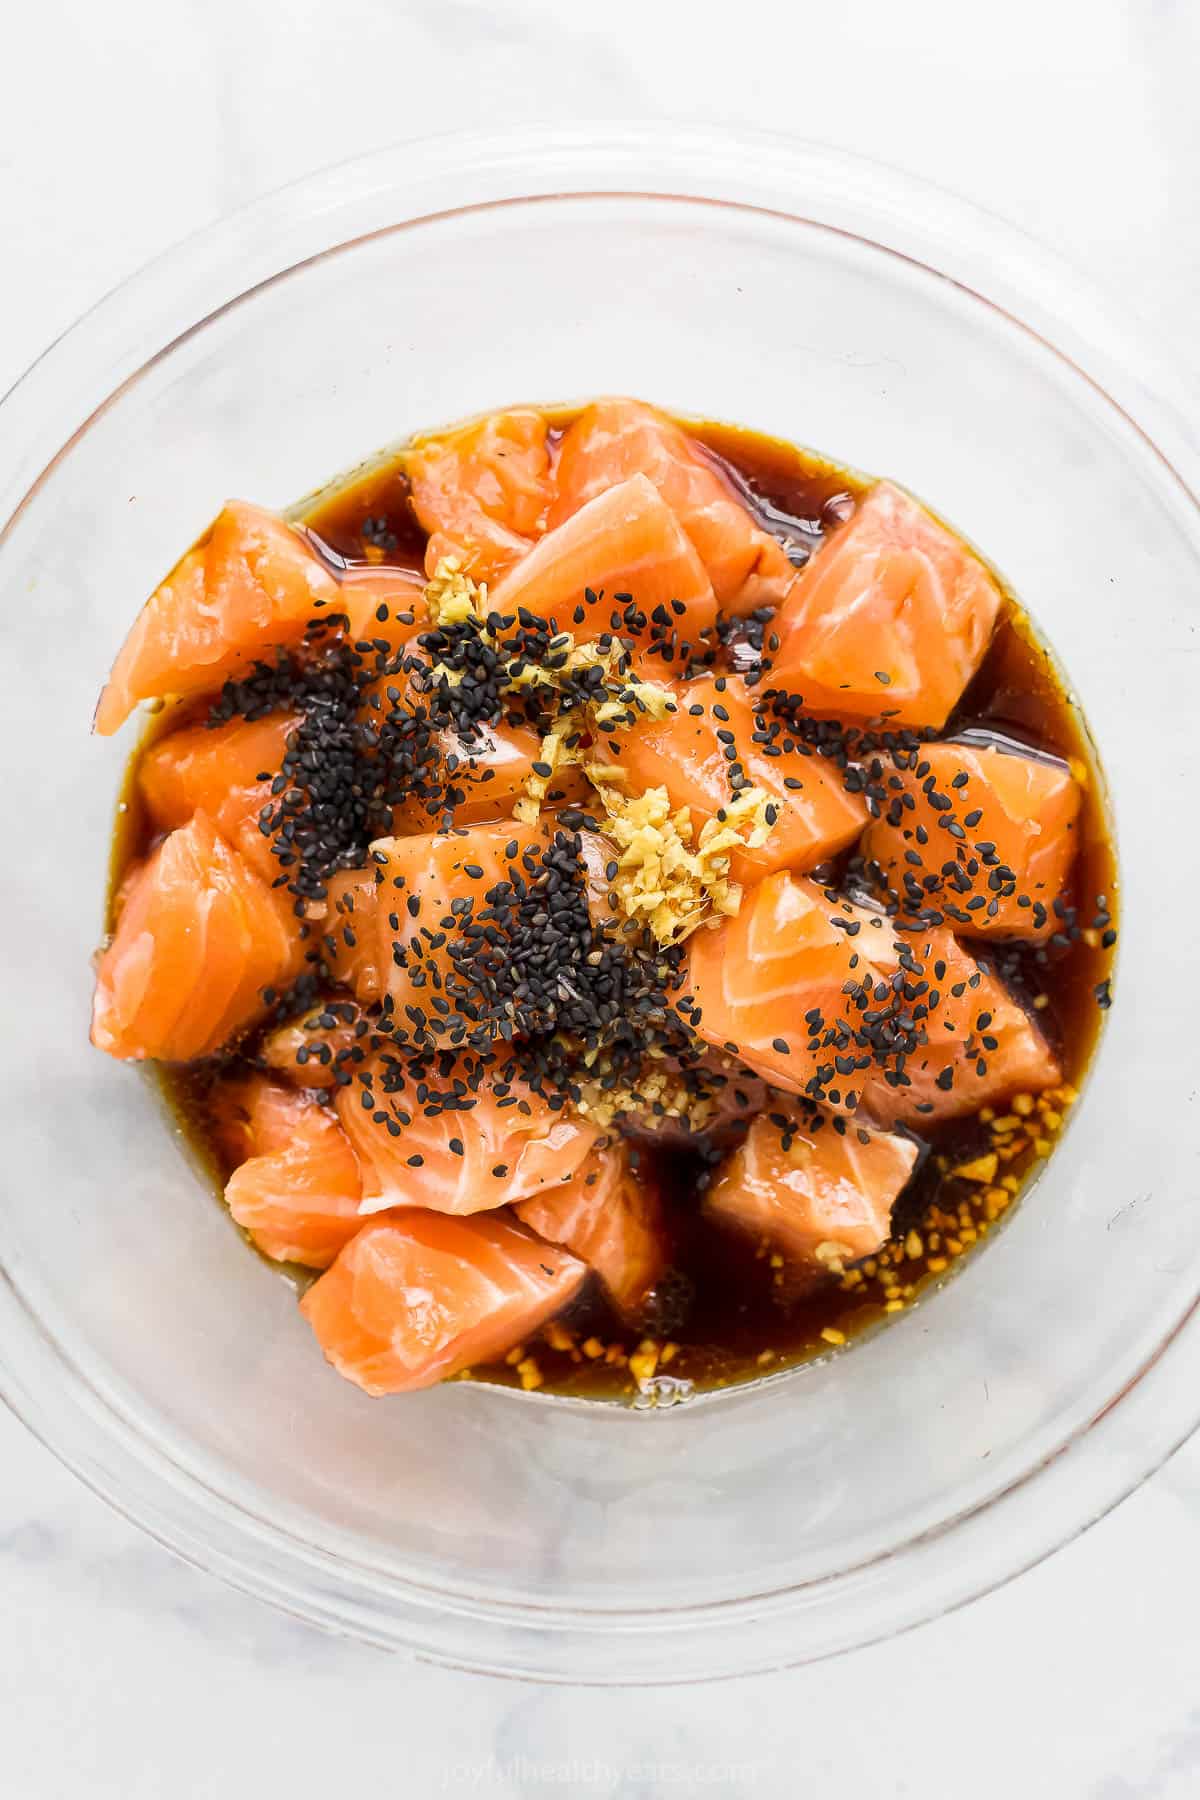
[(115, 1242)]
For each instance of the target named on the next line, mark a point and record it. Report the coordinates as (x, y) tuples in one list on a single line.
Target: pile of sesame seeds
[(520, 963), (381, 725), (524, 964)]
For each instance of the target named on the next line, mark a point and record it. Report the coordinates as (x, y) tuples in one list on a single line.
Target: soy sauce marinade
[(725, 1312)]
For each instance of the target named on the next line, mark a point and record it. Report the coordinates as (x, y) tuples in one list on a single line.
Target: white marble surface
[(125, 1675)]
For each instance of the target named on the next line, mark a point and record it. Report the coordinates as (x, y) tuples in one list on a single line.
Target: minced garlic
[(644, 1360), (1033, 1122), (833, 1256), (982, 1168), (959, 1218)]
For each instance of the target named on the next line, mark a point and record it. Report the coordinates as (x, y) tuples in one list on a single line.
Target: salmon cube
[(479, 777), (200, 940), (889, 620), (833, 1000), (611, 1216), (614, 439), (459, 1142), (251, 1115), (712, 740), (346, 928), (971, 1043), (983, 835), (774, 985), (299, 1199), (434, 893), (253, 584), (226, 772), (468, 774), (383, 607), (312, 1052), (482, 491), (820, 1196), (622, 564), (418, 1296)]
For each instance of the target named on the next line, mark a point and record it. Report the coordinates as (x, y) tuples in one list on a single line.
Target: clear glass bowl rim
[(138, 323)]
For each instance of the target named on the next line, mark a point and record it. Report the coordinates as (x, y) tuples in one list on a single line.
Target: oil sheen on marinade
[(727, 1313)]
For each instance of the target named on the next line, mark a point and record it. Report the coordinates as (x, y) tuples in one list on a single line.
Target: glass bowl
[(806, 294)]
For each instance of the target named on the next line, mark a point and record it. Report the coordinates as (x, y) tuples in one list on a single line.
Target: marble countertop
[(125, 1675)]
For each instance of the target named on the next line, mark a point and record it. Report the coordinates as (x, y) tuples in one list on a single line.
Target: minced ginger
[(620, 699), (452, 597), (671, 877)]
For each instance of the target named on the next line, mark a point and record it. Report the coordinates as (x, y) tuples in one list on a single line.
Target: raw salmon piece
[(988, 839), (397, 715), (614, 439), (199, 938), (220, 992), (388, 649), (475, 775), (440, 888), (419, 1296), (252, 584), (461, 1142), (891, 618), (815, 816), (482, 491), (226, 773), (251, 1115), (299, 1200), (981, 1047), (399, 593), (125, 887), (310, 1051), (610, 1216), (769, 984), (346, 930), (818, 1196), (625, 544), (480, 778)]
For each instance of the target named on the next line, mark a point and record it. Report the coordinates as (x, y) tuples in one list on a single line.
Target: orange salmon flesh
[(625, 902)]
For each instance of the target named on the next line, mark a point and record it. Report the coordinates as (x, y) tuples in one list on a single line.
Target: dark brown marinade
[(369, 518), (726, 1312)]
